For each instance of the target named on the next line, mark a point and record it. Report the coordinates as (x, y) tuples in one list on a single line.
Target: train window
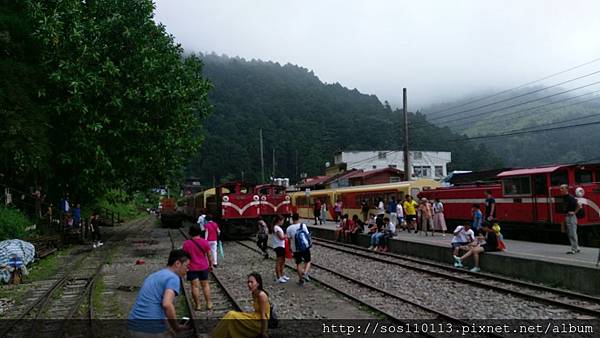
[(558, 178), (517, 185), (264, 191), (414, 192), (583, 176), (540, 185)]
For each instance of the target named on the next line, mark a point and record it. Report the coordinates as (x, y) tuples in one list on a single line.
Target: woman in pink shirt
[(212, 236), (199, 268)]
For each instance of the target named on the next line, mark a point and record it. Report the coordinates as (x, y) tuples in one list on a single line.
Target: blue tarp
[(12, 251)]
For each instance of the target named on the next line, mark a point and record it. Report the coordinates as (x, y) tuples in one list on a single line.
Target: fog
[(439, 50)]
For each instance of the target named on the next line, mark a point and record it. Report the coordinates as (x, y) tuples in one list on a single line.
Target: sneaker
[(94, 245), (100, 244), (457, 262), (282, 280), (571, 252), (285, 277), (456, 265), (370, 248), (475, 269), (306, 278), (577, 251)]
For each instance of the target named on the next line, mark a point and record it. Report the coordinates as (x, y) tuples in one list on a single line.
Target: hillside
[(304, 121), (543, 109)]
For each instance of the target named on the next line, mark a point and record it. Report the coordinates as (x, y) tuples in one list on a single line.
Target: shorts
[(302, 256), (411, 218), (201, 275), (459, 244), (279, 251)]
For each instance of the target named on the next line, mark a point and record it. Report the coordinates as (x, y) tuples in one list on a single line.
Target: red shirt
[(211, 230), (199, 261), (351, 225)]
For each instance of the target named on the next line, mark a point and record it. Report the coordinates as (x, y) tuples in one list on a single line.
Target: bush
[(119, 202), (12, 223)]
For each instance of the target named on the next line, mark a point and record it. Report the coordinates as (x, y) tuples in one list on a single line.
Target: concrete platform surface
[(536, 262)]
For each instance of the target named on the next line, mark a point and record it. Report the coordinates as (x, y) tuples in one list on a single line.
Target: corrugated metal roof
[(530, 171)]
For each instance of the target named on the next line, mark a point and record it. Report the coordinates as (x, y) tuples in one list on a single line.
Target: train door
[(541, 198)]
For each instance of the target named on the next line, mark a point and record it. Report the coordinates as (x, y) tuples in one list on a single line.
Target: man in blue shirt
[(477, 219), (154, 306)]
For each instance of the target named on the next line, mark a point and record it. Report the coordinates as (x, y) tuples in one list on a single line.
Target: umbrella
[(23, 251), (221, 249)]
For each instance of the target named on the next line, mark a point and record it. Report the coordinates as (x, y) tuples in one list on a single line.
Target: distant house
[(377, 176), (427, 164)]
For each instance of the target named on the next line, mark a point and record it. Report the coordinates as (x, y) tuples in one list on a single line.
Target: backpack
[(302, 239), (273, 320)]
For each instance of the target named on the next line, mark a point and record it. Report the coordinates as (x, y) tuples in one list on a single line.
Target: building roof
[(530, 171), (312, 181), (365, 174)]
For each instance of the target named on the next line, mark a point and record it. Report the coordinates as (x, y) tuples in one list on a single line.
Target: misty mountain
[(304, 122), (522, 112)]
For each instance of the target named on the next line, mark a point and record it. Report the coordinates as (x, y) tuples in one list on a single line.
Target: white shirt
[(380, 208), (291, 232), (278, 243), (399, 210), (391, 227), (438, 207), (461, 235), (201, 221)]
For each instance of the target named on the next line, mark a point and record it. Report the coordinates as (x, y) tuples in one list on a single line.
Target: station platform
[(535, 262)]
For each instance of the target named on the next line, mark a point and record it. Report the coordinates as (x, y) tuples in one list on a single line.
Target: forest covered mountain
[(538, 122), (304, 122)]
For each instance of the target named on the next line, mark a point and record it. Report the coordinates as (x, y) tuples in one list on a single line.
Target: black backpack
[(273, 320)]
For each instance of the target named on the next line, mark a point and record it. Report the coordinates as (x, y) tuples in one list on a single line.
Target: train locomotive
[(529, 204), (236, 206)]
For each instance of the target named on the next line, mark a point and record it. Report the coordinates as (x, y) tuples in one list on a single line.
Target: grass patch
[(97, 291), (12, 223), (48, 267)]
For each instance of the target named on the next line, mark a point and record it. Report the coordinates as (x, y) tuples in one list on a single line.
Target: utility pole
[(406, 157), (296, 176), (273, 173), (262, 159)]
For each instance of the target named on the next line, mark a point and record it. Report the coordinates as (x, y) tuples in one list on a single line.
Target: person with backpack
[(200, 257), (572, 208), (249, 324), (300, 242)]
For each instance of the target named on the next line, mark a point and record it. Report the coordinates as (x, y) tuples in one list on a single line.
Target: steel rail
[(525, 295), (363, 303)]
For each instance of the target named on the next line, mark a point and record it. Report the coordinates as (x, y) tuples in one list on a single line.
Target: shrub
[(12, 223)]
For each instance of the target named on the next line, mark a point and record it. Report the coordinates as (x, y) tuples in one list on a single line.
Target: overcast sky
[(439, 50)]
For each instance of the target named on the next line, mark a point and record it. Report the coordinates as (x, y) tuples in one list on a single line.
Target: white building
[(430, 164)]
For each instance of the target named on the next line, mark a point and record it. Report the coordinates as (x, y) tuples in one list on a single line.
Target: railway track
[(580, 303), (221, 296), (391, 306), (57, 301)]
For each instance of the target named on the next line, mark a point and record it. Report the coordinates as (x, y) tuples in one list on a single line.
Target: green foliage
[(128, 206), (304, 120), (12, 223), (96, 96)]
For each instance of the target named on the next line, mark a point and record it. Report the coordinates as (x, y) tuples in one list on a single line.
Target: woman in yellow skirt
[(237, 324)]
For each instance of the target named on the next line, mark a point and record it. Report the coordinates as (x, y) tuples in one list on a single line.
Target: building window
[(382, 155), (374, 167), (422, 171), (439, 171), (392, 166), (417, 155)]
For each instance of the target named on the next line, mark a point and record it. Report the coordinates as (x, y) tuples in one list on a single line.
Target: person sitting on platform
[(359, 228), (350, 228), (342, 227), (463, 236), (490, 245), (247, 324)]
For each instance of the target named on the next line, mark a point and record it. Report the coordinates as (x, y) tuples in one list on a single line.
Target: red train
[(236, 206), (529, 204)]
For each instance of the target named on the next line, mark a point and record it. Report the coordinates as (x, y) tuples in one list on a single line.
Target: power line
[(524, 131), (511, 89), (515, 97), (493, 118)]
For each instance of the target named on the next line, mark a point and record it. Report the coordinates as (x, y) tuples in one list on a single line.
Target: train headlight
[(225, 198), (255, 197), (263, 198), (579, 192), (287, 198)]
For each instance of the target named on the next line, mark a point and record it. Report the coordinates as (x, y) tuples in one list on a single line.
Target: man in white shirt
[(463, 235), (299, 257)]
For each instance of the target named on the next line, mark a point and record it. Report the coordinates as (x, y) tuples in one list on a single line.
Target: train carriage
[(352, 197), (529, 204)]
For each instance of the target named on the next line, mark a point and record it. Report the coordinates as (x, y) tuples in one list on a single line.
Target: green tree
[(124, 106)]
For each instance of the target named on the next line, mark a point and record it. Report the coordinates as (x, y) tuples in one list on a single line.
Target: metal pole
[(407, 170), (262, 160), (273, 173)]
